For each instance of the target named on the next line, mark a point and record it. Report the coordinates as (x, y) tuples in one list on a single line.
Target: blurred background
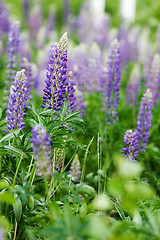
[(146, 14)]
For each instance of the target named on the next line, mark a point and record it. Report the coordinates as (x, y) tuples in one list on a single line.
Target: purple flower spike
[(42, 151), (71, 93), (12, 50), (144, 119), (153, 81), (58, 158), (131, 145), (28, 72), (56, 82), (75, 169), (113, 82), (17, 102), (133, 85)]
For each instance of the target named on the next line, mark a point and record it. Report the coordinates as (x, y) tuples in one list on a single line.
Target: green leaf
[(31, 122), (17, 206), (6, 197), (4, 184), (10, 135), (46, 113), (70, 117), (64, 110), (3, 122), (15, 151), (86, 189)]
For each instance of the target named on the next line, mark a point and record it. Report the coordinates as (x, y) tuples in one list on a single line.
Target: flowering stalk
[(132, 89), (144, 119), (113, 82), (58, 159), (17, 102), (42, 151), (75, 169), (28, 71), (56, 82), (12, 50), (153, 78), (131, 145), (70, 93)]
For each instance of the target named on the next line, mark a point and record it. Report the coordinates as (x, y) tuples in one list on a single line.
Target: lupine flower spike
[(56, 81), (75, 169), (12, 50), (42, 151), (113, 82), (144, 119), (17, 102), (153, 78), (28, 71), (132, 89), (131, 145), (58, 159)]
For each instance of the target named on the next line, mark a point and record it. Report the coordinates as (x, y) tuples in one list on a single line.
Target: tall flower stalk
[(153, 79), (41, 144), (17, 102), (56, 82), (113, 82), (133, 86), (12, 51), (58, 159), (144, 120), (75, 169), (130, 151), (25, 64)]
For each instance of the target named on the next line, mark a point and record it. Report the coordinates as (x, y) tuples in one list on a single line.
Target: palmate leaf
[(10, 135), (31, 122), (15, 151), (71, 116), (40, 120)]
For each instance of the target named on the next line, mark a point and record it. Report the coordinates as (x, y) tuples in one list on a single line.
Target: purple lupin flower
[(71, 93), (17, 102), (26, 9), (131, 145), (113, 82), (58, 159), (75, 169), (41, 144), (144, 119), (12, 50), (56, 81), (25, 64), (133, 86), (153, 79)]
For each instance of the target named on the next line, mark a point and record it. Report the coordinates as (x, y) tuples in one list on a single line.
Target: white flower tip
[(70, 74), (148, 94), (115, 43)]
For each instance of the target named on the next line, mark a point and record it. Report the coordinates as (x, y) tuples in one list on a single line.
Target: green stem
[(46, 189), (30, 165), (85, 158), (14, 180)]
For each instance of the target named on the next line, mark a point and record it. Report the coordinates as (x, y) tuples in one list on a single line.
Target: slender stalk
[(46, 189), (15, 231), (30, 165), (85, 158), (99, 162), (14, 180)]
